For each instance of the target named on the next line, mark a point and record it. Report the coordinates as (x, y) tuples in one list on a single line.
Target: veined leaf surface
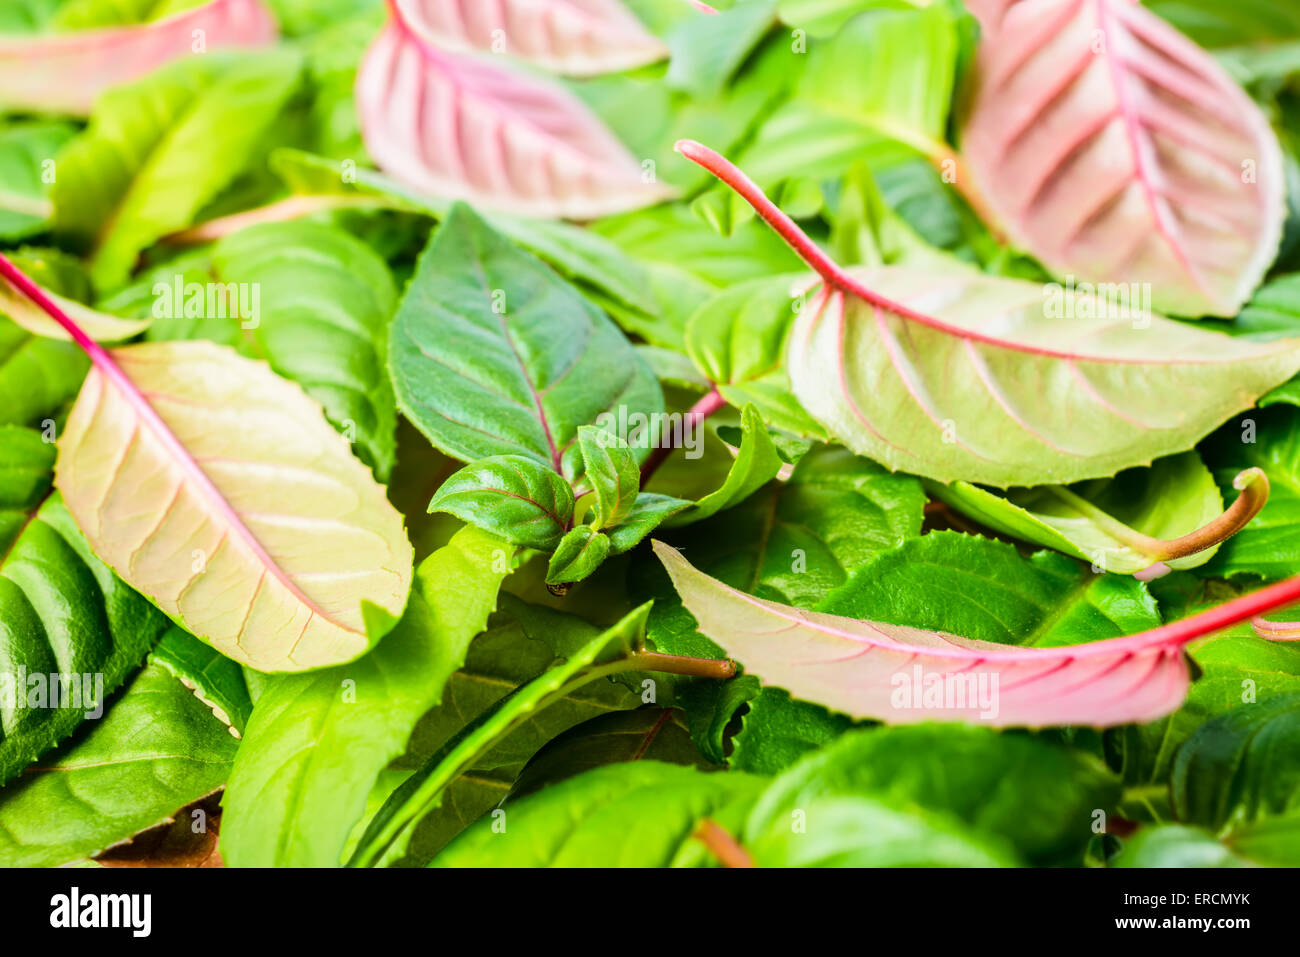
[(577, 37), (1000, 381), (197, 474), (964, 377), (493, 354), (1115, 149), (66, 72), (873, 670), (156, 750), (463, 128)]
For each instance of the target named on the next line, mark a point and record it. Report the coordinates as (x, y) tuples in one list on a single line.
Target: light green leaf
[(1175, 846), (1104, 521), (980, 388), (707, 50), (613, 474), (25, 152), (579, 553), (145, 167), (757, 462), (737, 340)]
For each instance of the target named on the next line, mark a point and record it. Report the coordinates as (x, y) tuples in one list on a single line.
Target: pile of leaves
[(647, 433)]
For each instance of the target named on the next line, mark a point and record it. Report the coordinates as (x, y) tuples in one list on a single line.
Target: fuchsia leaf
[(951, 374), (873, 670), (461, 128), (66, 72), (1114, 149), (575, 37)]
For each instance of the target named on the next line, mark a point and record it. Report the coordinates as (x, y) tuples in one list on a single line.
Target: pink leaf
[(1114, 149), (66, 72), (460, 128), (872, 670), (576, 37)]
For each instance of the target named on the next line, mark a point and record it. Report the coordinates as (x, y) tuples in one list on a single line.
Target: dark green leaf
[(491, 353), (513, 496), (68, 626)]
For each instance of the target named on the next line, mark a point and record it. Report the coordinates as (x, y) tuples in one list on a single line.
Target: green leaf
[(500, 660), (983, 589), (737, 340), (492, 354), (157, 749), (423, 792), (613, 474), (779, 730), (317, 742), (638, 814), (1037, 798), (1273, 842), (580, 255), (1269, 546), (864, 832), (39, 377), (215, 680), (1100, 521), (1239, 767), (27, 16), (706, 51), (757, 462), (907, 92), (646, 734), (25, 151), (325, 300), (648, 513), (579, 554), (513, 496), (1175, 846), (68, 625), (145, 166)]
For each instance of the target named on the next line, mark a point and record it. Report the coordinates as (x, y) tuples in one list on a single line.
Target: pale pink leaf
[(1114, 149), (64, 73), (575, 37), (872, 670), (458, 127)]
